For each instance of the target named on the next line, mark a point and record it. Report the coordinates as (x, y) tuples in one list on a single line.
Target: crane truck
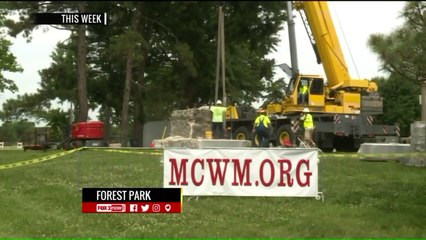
[(343, 109)]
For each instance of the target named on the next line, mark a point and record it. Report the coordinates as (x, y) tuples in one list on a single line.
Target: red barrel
[(88, 130)]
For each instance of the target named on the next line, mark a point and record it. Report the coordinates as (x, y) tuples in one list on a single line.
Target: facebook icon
[(133, 207)]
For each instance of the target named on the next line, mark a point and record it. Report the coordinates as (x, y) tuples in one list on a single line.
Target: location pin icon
[(168, 207)]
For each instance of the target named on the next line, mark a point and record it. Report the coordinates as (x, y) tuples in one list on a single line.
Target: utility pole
[(220, 60)]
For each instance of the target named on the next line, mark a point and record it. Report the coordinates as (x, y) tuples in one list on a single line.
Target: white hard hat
[(219, 102), (306, 110)]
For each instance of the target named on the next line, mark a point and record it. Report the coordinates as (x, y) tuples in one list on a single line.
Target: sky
[(354, 23)]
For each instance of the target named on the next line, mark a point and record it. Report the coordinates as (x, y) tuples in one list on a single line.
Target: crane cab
[(312, 92), (302, 91)]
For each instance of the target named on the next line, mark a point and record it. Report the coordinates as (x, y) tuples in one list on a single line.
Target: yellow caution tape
[(143, 152), (38, 160), (337, 155), (372, 155), (159, 153), (57, 155)]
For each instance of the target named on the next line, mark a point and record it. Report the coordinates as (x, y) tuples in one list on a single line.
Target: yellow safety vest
[(309, 121), (218, 113), (304, 90), (265, 119)]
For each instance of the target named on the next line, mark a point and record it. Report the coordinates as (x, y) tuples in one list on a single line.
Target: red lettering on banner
[(240, 174), (175, 172), (307, 174), (288, 174), (218, 172), (201, 161), (262, 179), (285, 171)]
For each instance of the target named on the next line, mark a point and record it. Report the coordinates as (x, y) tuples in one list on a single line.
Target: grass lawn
[(362, 200)]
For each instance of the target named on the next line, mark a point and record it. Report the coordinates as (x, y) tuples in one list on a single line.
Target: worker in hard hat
[(303, 93), (261, 127), (218, 119), (308, 125)]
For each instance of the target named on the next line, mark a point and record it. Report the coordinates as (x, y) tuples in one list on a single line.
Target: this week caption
[(71, 18)]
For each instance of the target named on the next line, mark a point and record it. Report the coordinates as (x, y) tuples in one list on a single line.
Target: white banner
[(242, 172)]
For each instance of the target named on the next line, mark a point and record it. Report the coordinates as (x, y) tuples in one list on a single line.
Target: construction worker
[(308, 125), (218, 118), (262, 128), (303, 93)]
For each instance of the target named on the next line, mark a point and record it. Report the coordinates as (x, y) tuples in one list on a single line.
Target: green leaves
[(129, 42), (172, 51), (403, 51), (186, 58), (59, 80), (403, 54), (7, 64), (400, 102)]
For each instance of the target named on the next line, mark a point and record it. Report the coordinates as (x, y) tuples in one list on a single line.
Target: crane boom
[(327, 42), (341, 93)]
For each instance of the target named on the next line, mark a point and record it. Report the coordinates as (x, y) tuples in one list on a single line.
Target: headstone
[(190, 123), (418, 136), (417, 145)]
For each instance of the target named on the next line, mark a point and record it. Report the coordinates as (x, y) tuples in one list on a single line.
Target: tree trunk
[(137, 133), (82, 69), (423, 106), (107, 121), (126, 98)]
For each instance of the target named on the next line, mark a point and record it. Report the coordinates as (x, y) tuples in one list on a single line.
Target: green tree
[(16, 131), (403, 51), (131, 46), (58, 124), (7, 64), (166, 54), (275, 92), (400, 102), (28, 107), (26, 26), (250, 34), (58, 80), (7, 60), (35, 108)]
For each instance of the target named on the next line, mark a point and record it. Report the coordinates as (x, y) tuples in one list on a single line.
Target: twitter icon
[(145, 207)]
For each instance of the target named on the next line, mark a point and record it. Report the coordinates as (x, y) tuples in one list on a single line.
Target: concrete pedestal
[(383, 151)]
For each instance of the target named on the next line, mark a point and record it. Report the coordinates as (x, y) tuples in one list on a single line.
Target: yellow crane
[(343, 108), (342, 94)]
